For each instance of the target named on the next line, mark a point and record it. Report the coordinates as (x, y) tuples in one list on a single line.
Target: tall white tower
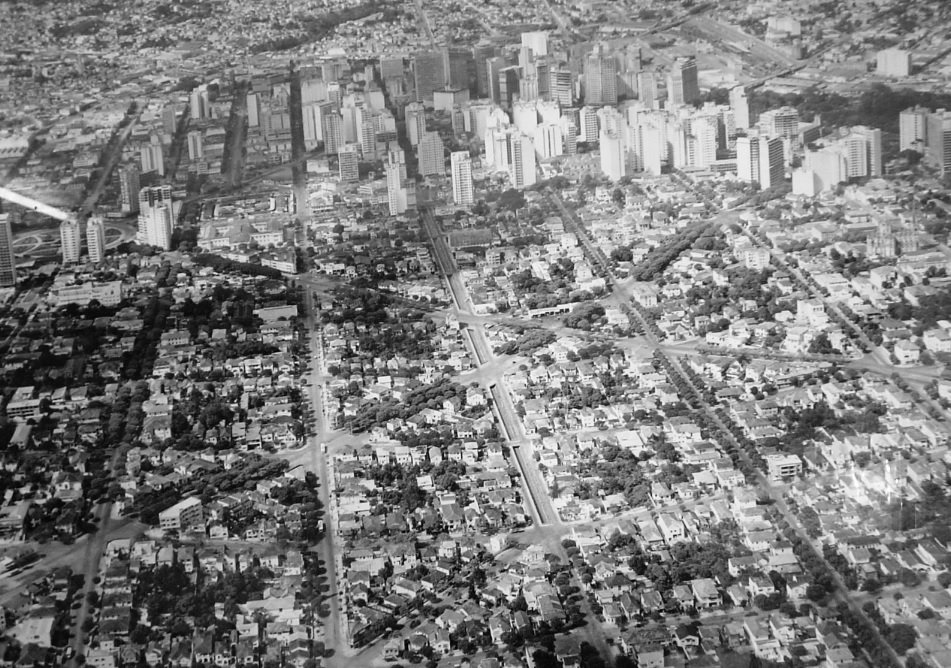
[(461, 165)]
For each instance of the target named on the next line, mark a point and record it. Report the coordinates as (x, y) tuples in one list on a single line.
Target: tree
[(901, 637)]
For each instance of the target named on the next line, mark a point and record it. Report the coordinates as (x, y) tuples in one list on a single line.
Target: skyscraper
[(429, 69), (480, 54), (493, 67), (537, 41), (95, 239), (461, 165), (8, 266), (647, 88), (196, 145), (522, 166), (397, 192), (938, 140), (156, 217), (782, 122), (772, 162), (152, 159), (129, 188), (913, 129), (561, 88), (871, 140), (740, 104), (71, 237), (169, 118), (415, 122), (331, 127), (432, 159), (682, 84), (348, 163), (198, 102), (459, 66), (509, 80), (600, 77), (747, 158)]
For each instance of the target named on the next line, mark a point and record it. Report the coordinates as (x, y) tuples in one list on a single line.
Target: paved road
[(111, 159), (233, 166)]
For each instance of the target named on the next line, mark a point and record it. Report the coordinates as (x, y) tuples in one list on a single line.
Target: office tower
[(348, 163), (366, 131), (509, 78), (198, 102), (782, 122), (415, 122), (447, 98), (334, 93), (682, 84), (459, 66), (747, 158), (542, 70), (588, 125), (8, 266), (740, 104), (537, 41), (129, 189), (169, 119), (612, 154), (331, 127), (480, 54), (493, 68), (938, 140), (522, 166), (772, 162), (600, 77), (569, 135), (429, 69), (152, 159), (726, 139), (560, 85), (702, 149), (893, 63), (828, 166), (525, 116), (432, 159), (528, 88), (871, 143), (913, 129), (647, 88), (629, 59), (196, 145), (391, 67), (71, 237), (156, 217), (652, 148), (548, 140), (396, 188), (313, 91), (461, 165), (95, 239)]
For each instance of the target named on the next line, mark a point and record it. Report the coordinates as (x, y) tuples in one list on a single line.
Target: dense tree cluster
[(527, 342), (697, 235), (371, 415)]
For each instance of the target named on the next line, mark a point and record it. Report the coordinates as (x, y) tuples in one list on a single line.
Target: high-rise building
[(938, 140), (747, 158), (537, 41), (548, 140), (871, 142), (600, 77), (169, 118), (432, 158), (682, 85), (95, 239), (198, 101), (429, 68), (589, 125), (647, 88), (348, 163), (509, 85), (462, 190), (415, 122), (152, 159), (253, 102), (129, 189), (702, 142), (397, 190), (772, 162), (8, 266), (459, 66), (331, 126), (613, 151), (522, 167), (71, 237), (828, 166), (782, 122), (196, 145), (893, 63), (391, 67), (740, 104), (156, 217), (493, 69), (561, 86), (480, 54), (913, 129)]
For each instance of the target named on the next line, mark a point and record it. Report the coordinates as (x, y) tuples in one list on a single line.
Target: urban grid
[(472, 334)]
